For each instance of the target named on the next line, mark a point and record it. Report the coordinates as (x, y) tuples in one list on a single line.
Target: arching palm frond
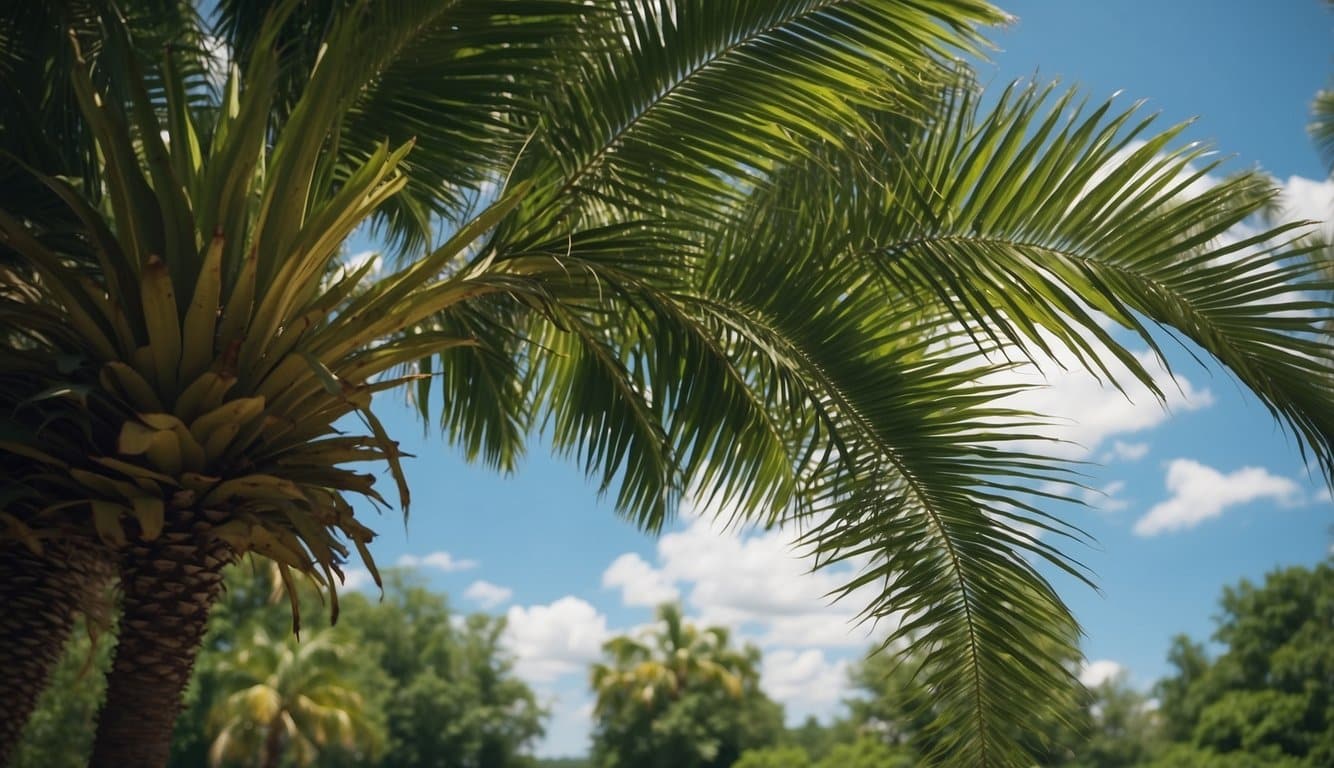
[(689, 105), (890, 287), (1322, 126), (458, 78)]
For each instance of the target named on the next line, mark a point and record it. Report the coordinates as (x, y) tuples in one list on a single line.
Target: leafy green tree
[(451, 697), (818, 739), (898, 706), (862, 752), (774, 757), (768, 250), (1269, 697), (683, 698), (868, 752), (1118, 728)]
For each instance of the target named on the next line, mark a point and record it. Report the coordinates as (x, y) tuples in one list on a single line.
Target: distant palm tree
[(288, 698), (767, 251), (681, 696), (678, 655)]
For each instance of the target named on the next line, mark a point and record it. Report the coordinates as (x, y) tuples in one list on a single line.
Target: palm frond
[(1322, 126), (686, 107), (890, 287), (457, 78)]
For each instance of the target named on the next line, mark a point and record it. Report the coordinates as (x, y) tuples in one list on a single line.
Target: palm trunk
[(168, 587), (273, 745), (39, 597)]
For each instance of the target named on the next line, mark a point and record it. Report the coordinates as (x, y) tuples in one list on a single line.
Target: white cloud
[(1200, 492), (1107, 498), (1085, 412), (219, 62), (357, 578), (351, 264), (1124, 451), (1095, 673), (805, 682), (639, 582), (1308, 199), (441, 561), (758, 582), (486, 594), (552, 640)]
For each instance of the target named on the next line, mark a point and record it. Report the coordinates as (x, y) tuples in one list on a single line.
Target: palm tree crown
[(288, 698)]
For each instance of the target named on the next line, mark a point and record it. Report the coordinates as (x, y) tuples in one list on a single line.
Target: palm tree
[(287, 698), (680, 655), (683, 696), (766, 250)]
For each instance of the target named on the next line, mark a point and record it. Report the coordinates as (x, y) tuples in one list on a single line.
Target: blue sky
[(1196, 496)]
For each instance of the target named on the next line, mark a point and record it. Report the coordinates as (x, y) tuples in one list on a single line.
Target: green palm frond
[(1032, 216), (889, 288), (43, 122), (685, 106), (210, 357), (1322, 126), (459, 79)]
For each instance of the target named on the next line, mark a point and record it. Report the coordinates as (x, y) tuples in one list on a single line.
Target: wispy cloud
[(1200, 492), (440, 561), (486, 594), (639, 582), (1095, 673)]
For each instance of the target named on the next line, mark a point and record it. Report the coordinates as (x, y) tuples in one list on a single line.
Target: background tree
[(866, 751), (681, 698), (1268, 699), (451, 697), (774, 757), (292, 700), (1118, 727), (893, 705)]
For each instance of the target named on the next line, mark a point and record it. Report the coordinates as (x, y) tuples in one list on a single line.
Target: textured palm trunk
[(273, 745), (168, 587), (39, 597)]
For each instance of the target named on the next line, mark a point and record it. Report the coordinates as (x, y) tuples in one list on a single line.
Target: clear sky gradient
[(1195, 497)]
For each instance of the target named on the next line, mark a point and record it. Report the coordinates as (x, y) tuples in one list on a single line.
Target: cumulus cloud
[(551, 640), (357, 578), (1123, 451), (1095, 673), (754, 581), (440, 561), (805, 682), (1107, 498), (486, 594), (1307, 199), (1200, 492), (639, 582), (1086, 412)]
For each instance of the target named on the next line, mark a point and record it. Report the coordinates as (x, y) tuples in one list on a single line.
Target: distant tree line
[(403, 682), (399, 682), (1266, 701)]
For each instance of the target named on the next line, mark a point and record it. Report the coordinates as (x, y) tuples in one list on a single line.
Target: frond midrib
[(863, 423), (621, 132)]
